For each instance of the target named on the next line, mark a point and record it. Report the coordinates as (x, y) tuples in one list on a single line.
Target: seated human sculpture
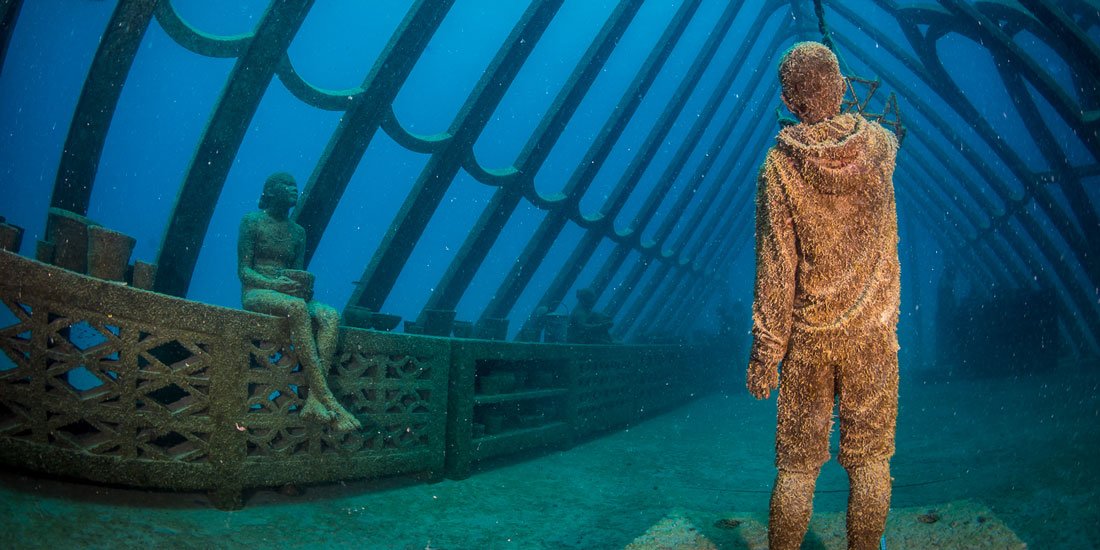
[(270, 258), (587, 326)]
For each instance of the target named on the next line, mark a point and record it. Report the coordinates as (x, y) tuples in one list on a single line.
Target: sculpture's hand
[(285, 284), (762, 379)]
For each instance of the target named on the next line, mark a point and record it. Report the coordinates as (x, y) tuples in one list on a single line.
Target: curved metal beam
[(408, 225), (96, 107), (539, 245), (479, 241), (368, 110), (584, 250), (197, 41), (9, 14), (202, 186)]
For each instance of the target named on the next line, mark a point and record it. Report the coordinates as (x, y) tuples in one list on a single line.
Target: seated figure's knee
[(296, 308), (325, 314)]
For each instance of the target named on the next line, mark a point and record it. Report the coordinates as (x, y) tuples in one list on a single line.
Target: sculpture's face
[(282, 193)]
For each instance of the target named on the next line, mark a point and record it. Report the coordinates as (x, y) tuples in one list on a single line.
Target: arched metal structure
[(1042, 236)]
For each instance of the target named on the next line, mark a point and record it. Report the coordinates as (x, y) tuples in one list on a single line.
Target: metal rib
[(479, 241), (368, 110), (9, 14), (202, 186), (196, 41), (96, 107), (580, 256), (535, 251), (407, 227)]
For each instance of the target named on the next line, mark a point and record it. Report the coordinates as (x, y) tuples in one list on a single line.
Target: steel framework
[(1004, 237)]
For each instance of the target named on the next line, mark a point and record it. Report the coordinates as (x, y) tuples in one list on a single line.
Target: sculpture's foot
[(314, 410), (342, 419)]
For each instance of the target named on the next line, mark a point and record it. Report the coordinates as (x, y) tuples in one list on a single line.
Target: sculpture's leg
[(326, 325), (868, 415), (327, 321), (805, 413), (301, 337), (791, 506), (868, 504)]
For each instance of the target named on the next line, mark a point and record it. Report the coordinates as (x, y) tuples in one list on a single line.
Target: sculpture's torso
[(276, 244)]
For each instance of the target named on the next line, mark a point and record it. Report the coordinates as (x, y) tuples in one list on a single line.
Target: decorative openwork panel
[(110, 382), (103, 381), (106, 386), (397, 389)]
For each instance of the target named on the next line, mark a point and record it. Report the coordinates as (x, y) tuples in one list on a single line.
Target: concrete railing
[(107, 383)]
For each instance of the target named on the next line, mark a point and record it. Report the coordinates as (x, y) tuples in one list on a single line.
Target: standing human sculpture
[(270, 261), (826, 303)]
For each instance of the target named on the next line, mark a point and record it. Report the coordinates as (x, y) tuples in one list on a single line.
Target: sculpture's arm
[(250, 277), (773, 297)]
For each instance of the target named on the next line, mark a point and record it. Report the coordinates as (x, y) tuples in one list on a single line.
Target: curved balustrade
[(107, 383)]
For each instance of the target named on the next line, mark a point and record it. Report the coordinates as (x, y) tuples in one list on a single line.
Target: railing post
[(460, 413)]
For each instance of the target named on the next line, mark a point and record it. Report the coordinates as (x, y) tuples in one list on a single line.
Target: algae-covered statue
[(586, 325), (270, 258), (826, 299)]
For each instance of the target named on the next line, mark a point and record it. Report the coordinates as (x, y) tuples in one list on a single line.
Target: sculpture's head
[(813, 87), (586, 297), (280, 190)]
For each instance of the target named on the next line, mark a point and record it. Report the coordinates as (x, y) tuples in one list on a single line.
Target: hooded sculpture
[(826, 299)]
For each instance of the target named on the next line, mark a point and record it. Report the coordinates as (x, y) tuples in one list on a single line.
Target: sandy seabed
[(996, 461)]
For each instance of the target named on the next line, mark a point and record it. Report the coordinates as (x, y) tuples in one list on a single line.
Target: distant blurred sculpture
[(270, 258), (532, 330), (587, 326), (826, 301)]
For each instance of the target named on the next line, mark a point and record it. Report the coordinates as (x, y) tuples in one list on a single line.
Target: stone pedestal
[(68, 232), (43, 252), (108, 253), (555, 328), (11, 236), (144, 275), (438, 322)]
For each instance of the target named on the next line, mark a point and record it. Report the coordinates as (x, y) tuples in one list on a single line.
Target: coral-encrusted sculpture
[(586, 325), (826, 299), (270, 258)]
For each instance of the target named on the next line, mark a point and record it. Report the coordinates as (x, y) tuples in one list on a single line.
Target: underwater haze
[(644, 189)]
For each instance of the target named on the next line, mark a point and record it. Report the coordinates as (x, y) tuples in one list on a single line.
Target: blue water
[(171, 92)]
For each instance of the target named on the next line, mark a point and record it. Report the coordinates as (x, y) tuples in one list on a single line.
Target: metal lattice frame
[(720, 225)]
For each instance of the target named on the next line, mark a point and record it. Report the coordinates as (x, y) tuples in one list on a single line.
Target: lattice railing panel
[(397, 389), (399, 392), (396, 395), (95, 370), (103, 384)]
